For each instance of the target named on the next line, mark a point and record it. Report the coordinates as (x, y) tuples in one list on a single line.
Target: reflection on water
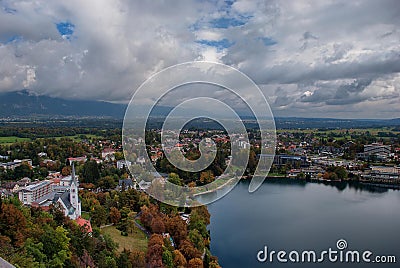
[(292, 214)]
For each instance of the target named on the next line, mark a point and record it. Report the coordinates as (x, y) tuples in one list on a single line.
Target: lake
[(285, 214)]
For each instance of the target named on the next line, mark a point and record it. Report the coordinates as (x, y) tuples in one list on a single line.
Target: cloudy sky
[(312, 59)]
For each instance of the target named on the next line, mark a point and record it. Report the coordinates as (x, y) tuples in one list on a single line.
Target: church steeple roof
[(73, 173)]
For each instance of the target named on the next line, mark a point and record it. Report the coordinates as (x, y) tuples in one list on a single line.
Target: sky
[(310, 58)]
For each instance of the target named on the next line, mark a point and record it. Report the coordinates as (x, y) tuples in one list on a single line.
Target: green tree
[(90, 172), (197, 223), (56, 245), (35, 250), (197, 239), (168, 259), (174, 178), (24, 170), (99, 215), (341, 172), (107, 182)]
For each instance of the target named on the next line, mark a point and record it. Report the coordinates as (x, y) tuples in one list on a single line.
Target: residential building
[(121, 164), (126, 184), (4, 157), (377, 149), (65, 196), (32, 193), (42, 154), (16, 163), (293, 160), (386, 169), (108, 154), (80, 159)]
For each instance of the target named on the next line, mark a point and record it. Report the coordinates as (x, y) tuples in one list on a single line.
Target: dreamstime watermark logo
[(219, 93), (340, 254)]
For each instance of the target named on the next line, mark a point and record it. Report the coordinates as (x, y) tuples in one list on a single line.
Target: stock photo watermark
[(340, 254), (228, 83)]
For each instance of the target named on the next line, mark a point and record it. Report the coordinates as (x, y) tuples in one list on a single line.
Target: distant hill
[(23, 104), (333, 123)]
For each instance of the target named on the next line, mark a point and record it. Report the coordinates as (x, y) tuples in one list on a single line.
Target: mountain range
[(23, 104)]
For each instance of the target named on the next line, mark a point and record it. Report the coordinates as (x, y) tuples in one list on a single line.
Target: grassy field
[(11, 140), (344, 133), (78, 137), (136, 240)]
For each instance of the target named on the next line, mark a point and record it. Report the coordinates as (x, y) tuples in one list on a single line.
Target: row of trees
[(31, 237), (189, 246)]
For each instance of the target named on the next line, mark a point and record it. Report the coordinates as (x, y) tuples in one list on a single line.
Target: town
[(85, 180)]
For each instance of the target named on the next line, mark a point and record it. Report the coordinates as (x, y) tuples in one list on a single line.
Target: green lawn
[(12, 139), (136, 240), (85, 215)]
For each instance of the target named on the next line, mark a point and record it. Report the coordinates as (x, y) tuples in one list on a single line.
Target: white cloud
[(312, 51)]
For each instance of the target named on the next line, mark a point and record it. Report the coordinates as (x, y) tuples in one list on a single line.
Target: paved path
[(146, 232)]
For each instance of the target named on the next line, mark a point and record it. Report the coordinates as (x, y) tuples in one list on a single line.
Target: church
[(65, 196), (69, 200)]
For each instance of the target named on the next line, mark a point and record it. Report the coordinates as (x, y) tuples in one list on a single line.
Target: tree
[(56, 245), (157, 225), (13, 224), (137, 259), (90, 172), (66, 170), (108, 182), (36, 251), (115, 215), (174, 178), (177, 228), (214, 264), (301, 175), (24, 170), (119, 156), (341, 172), (333, 176), (252, 164), (179, 259), (123, 259), (195, 263), (99, 215), (168, 259), (196, 223), (206, 177), (58, 214), (197, 240), (202, 213), (146, 217), (155, 251), (188, 250)]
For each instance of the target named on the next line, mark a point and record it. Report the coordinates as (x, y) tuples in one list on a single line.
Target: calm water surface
[(295, 215)]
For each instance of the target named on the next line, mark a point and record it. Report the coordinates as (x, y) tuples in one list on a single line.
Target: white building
[(108, 154), (69, 201), (34, 192), (66, 197), (123, 164)]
